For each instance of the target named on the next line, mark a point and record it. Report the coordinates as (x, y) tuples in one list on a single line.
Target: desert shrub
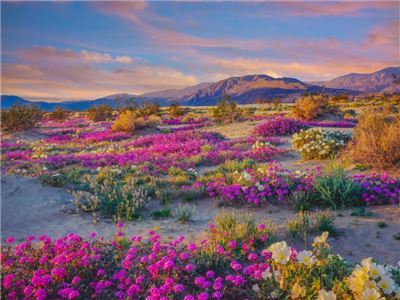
[(278, 126), (335, 190), (226, 111), (19, 118), (318, 143), (162, 213), (376, 141), (128, 121), (148, 109), (125, 122), (311, 107), (99, 113), (175, 110), (115, 193), (184, 213), (59, 114)]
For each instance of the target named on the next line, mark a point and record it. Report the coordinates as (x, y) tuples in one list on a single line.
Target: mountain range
[(242, 90)]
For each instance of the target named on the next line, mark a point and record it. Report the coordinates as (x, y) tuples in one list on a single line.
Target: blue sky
[(84, 50)]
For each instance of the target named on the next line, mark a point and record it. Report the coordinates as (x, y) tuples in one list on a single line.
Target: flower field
[(160, 172)]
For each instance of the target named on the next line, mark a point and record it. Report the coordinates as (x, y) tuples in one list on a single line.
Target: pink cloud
[(51, 53)]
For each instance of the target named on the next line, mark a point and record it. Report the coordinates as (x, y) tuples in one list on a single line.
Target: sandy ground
[(28, 207)]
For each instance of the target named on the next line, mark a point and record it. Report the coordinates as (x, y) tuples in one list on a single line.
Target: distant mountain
[(379, 82), (112, 100), (248, 89), (176, 94), (243, 89)]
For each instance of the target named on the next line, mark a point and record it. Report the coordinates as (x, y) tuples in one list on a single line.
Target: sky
[(70, 50)]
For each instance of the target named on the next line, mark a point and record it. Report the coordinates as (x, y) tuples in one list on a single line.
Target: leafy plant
[(162, 213), (184, 213), (19, 118), (336, 190), (99, 113)]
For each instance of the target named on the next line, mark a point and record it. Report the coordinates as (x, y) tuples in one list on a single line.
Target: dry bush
[(311, 107), (376, 140), (153, 121), (59, 114), (128, 121), (175, 110), (99, 113), (125, 122), (19, 118)]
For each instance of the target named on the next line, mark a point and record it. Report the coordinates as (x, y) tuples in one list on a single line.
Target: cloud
[(51, 72), (51, 53), (330, 8)]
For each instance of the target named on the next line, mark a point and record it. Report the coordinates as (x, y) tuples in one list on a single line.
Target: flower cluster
[(278, 126), (318, 143), (265, 184), (378, 189), (76, 268)]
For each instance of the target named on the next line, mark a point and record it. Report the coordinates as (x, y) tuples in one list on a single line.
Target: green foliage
[(226, 111), (305, 222), (162, 213), (19, 118), (99, 113), (59, 114), (184, 213), (335, 190), (116, 193), (175, 110), (148, 109)]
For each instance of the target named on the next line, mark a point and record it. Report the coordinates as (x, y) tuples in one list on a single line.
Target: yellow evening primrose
[(324, 295), (305, 257), (280, 252), (370, 294)]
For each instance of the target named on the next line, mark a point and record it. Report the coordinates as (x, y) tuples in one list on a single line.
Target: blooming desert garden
[(243, 202)]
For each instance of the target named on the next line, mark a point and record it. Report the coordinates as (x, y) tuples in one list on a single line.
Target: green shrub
[(162, 213), (99, 113), (335, 190), (184, 213), (59, 114), (226, 111), (19, 118), (175, 110)]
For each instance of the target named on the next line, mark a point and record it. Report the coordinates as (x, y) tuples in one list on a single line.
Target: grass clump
[(376, 141), (162, 213), (184, 213)]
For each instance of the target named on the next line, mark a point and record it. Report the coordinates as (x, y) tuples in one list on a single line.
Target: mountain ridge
[(241, 89)]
